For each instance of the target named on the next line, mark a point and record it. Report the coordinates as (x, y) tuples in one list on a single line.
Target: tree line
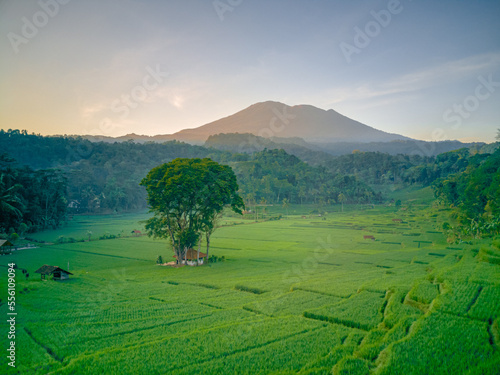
[(474, 195), (269, 176), (104, 177), (379, 168), (56, 175)]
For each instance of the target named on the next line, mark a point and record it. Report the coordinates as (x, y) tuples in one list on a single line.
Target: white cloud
[(446, 72), (438, 75)]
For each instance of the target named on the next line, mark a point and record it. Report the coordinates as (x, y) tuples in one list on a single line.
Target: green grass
[(79, 225), (424, 292), (368, 306), (305, 296), (441, 344)]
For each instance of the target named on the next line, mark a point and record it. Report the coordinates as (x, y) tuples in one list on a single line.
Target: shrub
[(215, 259)]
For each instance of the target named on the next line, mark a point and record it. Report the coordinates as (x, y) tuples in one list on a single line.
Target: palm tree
[(9, 199), (342, 198), (285, 205), (263, 203)]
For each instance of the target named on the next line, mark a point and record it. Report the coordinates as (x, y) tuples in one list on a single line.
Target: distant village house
[(5, 247), (192, 257), (57, 273)]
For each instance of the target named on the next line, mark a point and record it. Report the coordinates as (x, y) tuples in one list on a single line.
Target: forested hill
[(40, 152), (43, 177), (273, 175), (249, 143), (100, 176), (104, 177), (379, 168)]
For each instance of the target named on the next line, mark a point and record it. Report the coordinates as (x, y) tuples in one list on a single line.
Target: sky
[(425, 69)]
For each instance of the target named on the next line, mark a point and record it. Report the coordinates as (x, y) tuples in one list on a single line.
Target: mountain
[(274, 119), (303, 130)]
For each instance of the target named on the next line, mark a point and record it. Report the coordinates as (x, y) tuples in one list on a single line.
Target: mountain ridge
[(270, 118)]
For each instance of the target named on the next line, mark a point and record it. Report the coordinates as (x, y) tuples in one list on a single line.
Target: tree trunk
[(185, 256), (46, 211), (208, 246), (198, 254), (177, 252)]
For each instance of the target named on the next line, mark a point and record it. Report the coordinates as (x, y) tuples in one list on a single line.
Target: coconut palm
[(286, 203), (342, 198), (9, 200)]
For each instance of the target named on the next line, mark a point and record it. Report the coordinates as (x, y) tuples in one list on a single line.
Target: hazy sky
[(425, 69)]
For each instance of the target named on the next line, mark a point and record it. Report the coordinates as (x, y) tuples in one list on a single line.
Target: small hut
[(56, 272), (5, 247), (192, 257)]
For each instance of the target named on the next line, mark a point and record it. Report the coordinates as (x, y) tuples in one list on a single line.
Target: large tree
[(186, 197)]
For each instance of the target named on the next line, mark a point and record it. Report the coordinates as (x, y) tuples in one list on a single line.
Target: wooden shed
[(192, 257), (5, 247), (56, 272)]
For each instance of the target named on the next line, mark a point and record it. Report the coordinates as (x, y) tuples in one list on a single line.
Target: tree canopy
[(75, 175), (30, 200), (474, 193), (186, 196)]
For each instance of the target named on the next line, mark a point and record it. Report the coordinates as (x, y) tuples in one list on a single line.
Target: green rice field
[(306, 294)]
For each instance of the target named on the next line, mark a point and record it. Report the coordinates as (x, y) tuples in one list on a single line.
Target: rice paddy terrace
[(372, 291)]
